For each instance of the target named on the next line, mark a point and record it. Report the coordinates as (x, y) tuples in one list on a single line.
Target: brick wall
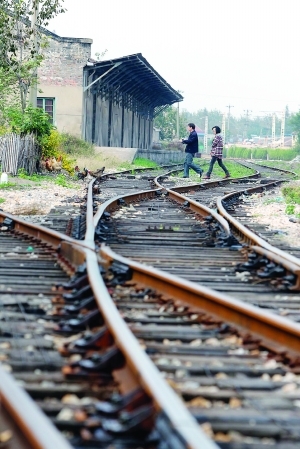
[(64, 59)]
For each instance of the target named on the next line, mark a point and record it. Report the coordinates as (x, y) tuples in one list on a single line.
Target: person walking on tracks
[(216, 153), (191, 149)]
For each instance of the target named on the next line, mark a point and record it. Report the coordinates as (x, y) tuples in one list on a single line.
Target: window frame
[(53, 107)]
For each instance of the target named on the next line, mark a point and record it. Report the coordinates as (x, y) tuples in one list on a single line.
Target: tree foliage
[(22, 40), (166, 121), (295, 124), (31, 121), (8, 95), (245, 126)]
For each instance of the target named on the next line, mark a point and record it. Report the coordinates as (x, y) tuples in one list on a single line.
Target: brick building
[(60, 79)]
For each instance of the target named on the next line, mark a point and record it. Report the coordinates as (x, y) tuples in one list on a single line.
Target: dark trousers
[(188, 163), (214, 159)]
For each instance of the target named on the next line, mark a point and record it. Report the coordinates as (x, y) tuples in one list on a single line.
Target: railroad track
[(172, 233), (234, 365)]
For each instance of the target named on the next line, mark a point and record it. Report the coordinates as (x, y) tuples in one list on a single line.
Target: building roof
[(134, 76), (198, 130)]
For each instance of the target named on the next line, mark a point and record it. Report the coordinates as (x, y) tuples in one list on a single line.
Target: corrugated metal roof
[(134, 76)]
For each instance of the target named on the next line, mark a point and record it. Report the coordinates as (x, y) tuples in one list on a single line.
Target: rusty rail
[(165, 399), (198, 208), (37, 429), (200, 186), (269, 328), (247, 235), (268, 166)]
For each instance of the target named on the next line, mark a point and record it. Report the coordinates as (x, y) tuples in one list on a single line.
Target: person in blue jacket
[(191, 149)]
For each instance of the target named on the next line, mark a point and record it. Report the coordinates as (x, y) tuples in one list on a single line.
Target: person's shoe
[(206, 177), (185, 176), (201, 173), (226, 176)]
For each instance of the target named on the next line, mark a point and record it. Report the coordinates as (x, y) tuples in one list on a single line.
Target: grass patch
[(60, 180), (63, 181), (291, 193), (7, 185), (142, 162), (236, 170), (137, 163), (290, 209), (23, 175), (2, 200)]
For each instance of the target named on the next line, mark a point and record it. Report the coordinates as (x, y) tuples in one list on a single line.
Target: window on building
[(48, 104)]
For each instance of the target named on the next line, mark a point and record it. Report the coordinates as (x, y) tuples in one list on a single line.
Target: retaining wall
[(161, 156)]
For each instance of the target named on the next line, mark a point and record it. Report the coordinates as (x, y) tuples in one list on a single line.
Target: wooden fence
[(17, 152)]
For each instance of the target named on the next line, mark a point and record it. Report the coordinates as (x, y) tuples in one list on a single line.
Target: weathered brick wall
[(64, 60)]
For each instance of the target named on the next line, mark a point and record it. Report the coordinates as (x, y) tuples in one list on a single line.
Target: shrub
[(32, 121), (51, 144), (3, 130), (238, 152), (283, 155), (291, 193), (75, 146), (260, 153), (290, 209)]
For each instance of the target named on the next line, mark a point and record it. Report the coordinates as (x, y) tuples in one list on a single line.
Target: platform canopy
[(134, 76), (121, 98)]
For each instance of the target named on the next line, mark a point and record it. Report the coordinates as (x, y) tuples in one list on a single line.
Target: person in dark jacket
[(191, 149)]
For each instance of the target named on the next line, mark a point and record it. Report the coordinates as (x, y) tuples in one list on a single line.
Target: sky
[(217, 53)]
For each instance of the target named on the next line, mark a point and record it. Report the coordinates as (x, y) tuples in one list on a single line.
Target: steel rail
[(146, 373), (207, 184), (278, 333), (198, 208), (249, 236), (137, 170), (114, 203), (49, 236), (38, 430), (165, 399), (268, 166), (90, 228), (260, 323), (74, 253)]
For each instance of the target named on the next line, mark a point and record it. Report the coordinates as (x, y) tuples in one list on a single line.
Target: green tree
[(22, 40), (8, 95), (214, 118), (166, 121), (32, 120), (294, 122)]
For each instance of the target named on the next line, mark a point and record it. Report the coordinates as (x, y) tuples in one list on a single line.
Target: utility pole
[(273, 129), (177, 121), (205, 134), (229, 107), (223, 128), (33, 86), (247, 111), (282, 128)]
